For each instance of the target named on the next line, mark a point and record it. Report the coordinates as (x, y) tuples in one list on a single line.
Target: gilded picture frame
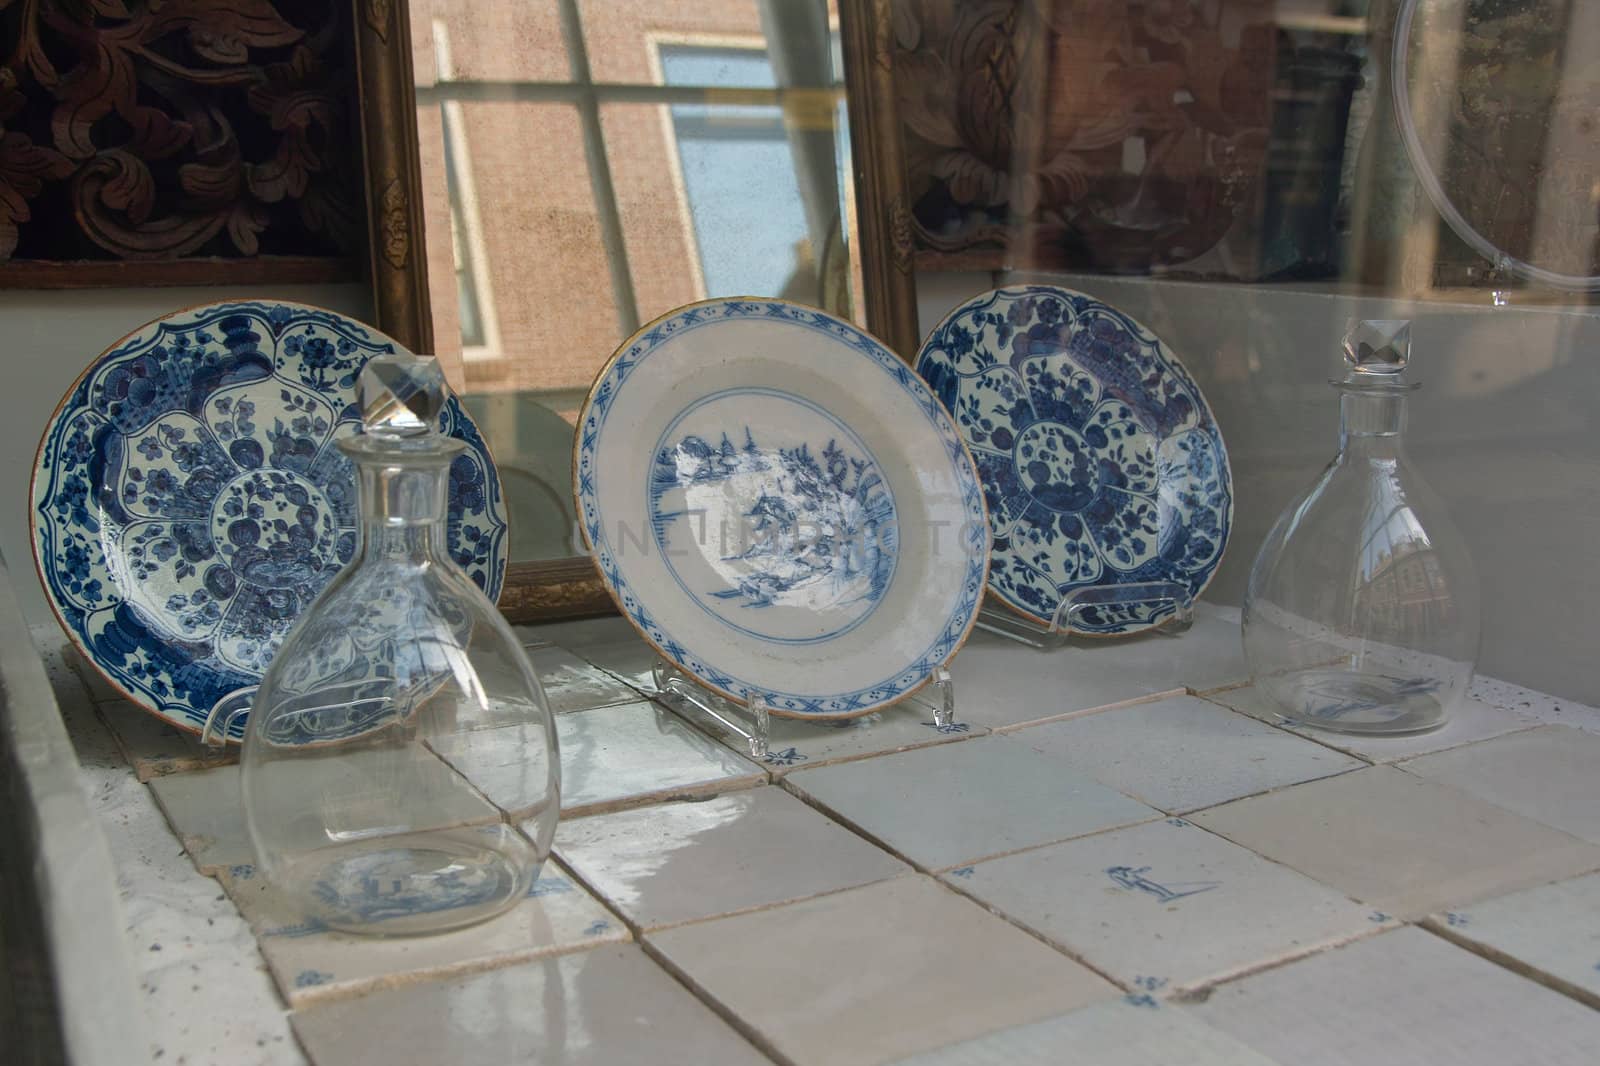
[(558, 588)]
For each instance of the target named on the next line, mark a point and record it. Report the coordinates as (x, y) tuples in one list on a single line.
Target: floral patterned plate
[(781, 507), (1101, 462), (188, 501)]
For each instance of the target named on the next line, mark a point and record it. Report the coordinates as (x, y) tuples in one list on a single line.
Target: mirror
[(587, 166)]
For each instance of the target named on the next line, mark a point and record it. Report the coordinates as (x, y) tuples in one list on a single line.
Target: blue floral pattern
[(1101, 463), (189, 501)]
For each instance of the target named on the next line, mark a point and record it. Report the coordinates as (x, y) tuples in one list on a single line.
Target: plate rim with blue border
[(179, 712), (897, 684), (1110, 627)]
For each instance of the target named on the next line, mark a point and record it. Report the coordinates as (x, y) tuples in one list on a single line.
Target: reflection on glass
[(725, 152), (1362, 610), (677, 151)]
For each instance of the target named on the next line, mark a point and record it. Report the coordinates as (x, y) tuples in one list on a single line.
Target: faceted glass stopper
[(401, 395), (1378, 346)]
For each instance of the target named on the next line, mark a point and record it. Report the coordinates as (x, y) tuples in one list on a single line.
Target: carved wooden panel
[(153, 131)]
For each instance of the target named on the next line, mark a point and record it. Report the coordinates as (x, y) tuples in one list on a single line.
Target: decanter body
[(1361, 614), (400, 770)]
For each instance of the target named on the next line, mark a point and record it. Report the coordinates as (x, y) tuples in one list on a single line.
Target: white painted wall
[(1506, 427), (46, 341)]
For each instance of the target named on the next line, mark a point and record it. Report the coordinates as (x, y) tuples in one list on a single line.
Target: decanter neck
[(404, 499), (1371, 419)]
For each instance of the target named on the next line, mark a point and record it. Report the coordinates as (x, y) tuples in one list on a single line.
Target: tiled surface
[(1552, 929), (1173, 905), (679, 862), (581, 634), (876, 973), (1475, 720), (1405, 998), (635, 752), (1207, 657), (607, 1007), (1550, 774), (573, 684), (1119, 1033), (773, 910), (152, 746), (1183, 753), (628, 658), (795, 744), (1001, 683), (1401, 844), (205, 810), (957, 803), (312, 964)]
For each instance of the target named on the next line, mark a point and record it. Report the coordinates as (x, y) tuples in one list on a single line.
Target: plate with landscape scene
[(781, 506)]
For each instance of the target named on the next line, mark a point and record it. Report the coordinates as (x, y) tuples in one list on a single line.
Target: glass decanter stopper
[(400, 772), (1361, 614)]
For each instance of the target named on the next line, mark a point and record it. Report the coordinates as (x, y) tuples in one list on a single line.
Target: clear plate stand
[(752, 719), (1170, 603)]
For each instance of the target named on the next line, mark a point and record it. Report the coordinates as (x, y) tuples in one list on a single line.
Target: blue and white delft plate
[(188, 501), (1101, 462), (781, 507)]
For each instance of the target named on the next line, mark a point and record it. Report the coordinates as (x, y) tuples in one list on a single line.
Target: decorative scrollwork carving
[(377, 13), (396, 228), (149, 130)]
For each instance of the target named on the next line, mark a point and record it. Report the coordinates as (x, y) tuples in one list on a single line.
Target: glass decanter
[(400, 771), (1361, 614)]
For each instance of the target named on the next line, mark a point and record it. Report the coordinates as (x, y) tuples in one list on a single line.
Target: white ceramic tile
[(508, 765), (630, 659), (1119, 1033), (794, 743), (957, 803), (1222, 612), (154, 747), (874, 974), (205, 807), (205, 810), (608, 1007), (573, 684), (999, 682), (310, 963), (1403, 845), (1550, 774), (1405, 998), (579, 634), (1551, 710), (1474, 720), (1181, 754), (635, 752), (1165, 906), (1554, 929), (679, 862), (1209, 656)]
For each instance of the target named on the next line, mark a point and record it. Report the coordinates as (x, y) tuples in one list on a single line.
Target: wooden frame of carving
[(568, 588), (883, 216), (392, 179)]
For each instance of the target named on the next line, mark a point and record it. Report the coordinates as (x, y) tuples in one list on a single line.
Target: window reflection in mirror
[(589, 165)]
